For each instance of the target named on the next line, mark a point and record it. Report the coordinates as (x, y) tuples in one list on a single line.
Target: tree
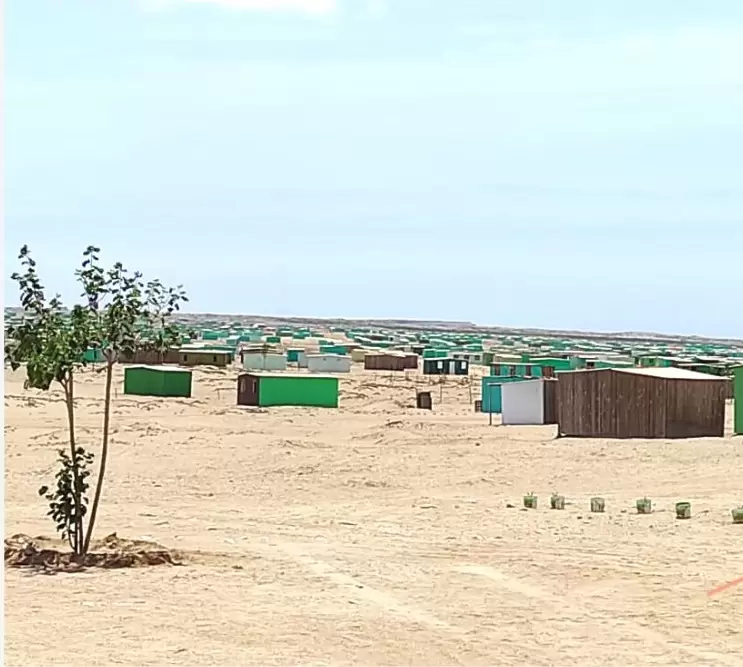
[(161, 303), (53, 345), (117, 304)]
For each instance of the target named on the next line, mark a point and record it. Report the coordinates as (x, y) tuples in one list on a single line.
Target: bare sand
[(375, 534)]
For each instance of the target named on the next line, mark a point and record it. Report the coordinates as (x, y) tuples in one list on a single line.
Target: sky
[(565, 164)]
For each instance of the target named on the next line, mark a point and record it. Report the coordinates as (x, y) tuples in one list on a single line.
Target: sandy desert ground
[(375, 534)]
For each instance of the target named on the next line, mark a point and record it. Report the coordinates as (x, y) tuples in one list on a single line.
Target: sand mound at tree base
[(52, 556)]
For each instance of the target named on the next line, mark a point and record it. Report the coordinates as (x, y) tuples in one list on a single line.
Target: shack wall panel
[(550, 401), (256, 361), (612, 404), (738, 398), (308, 391), (523, 402), (696, 408), (606, 388), (209, 358), (153, 382), (142, 382), (247, 389), (640, 405), (491, 394), (586, 404), (328, 363), (566, 405), (151, 357), (411, 361), (384, 362), (178, 383)]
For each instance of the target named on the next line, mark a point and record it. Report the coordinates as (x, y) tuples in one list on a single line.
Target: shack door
[(247, 390)]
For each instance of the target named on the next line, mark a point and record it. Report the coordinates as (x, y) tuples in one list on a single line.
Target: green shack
[(272, 389), (292, 354), (738, 400), (157, 381), (93, 356)]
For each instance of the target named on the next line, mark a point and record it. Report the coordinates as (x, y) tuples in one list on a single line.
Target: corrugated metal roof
[(668, 372), (166, 369), (671, 373), (327, 355), (269, 374)]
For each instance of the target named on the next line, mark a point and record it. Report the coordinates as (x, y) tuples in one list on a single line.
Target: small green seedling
[(644, 506), (530, 501), (683, 510), (557, 502), (598, 504)]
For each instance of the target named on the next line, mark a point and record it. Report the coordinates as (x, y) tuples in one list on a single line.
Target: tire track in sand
[(592, 615), (363, 591), (385, 601)]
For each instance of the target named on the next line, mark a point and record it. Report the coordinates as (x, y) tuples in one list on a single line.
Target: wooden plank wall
[(607, 403), (696, 408)]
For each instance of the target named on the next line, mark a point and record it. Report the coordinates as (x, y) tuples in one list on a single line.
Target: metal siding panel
[(310, 391), (523, 402), (738, 401)]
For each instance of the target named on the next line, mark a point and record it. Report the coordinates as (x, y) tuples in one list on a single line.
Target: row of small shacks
[(651, 402), (261, 360), (256, 389), (601, 403)]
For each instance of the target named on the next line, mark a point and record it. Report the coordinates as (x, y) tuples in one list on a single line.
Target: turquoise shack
[(491, 394)]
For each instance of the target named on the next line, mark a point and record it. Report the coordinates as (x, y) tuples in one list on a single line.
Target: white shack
[(358, 355), (257, 361), (529, 402), (328, 363)]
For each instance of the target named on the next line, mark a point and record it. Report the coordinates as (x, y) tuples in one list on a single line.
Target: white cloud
[(312, 7)]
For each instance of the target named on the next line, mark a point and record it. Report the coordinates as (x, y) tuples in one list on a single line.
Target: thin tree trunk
[(104, 455), (70, 403)]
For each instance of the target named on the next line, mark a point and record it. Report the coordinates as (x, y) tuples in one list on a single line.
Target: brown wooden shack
[(386, 361), (150, 357), (640, 403), (551, 398), (411, 361)]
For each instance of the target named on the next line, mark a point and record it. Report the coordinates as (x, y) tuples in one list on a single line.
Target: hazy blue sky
[(557, 163)]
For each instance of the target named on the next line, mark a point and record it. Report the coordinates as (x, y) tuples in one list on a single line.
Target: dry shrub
[(51, 556)]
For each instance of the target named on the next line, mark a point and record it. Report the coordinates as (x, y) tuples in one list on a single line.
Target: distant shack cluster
[(619, 392), (587, 387)]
